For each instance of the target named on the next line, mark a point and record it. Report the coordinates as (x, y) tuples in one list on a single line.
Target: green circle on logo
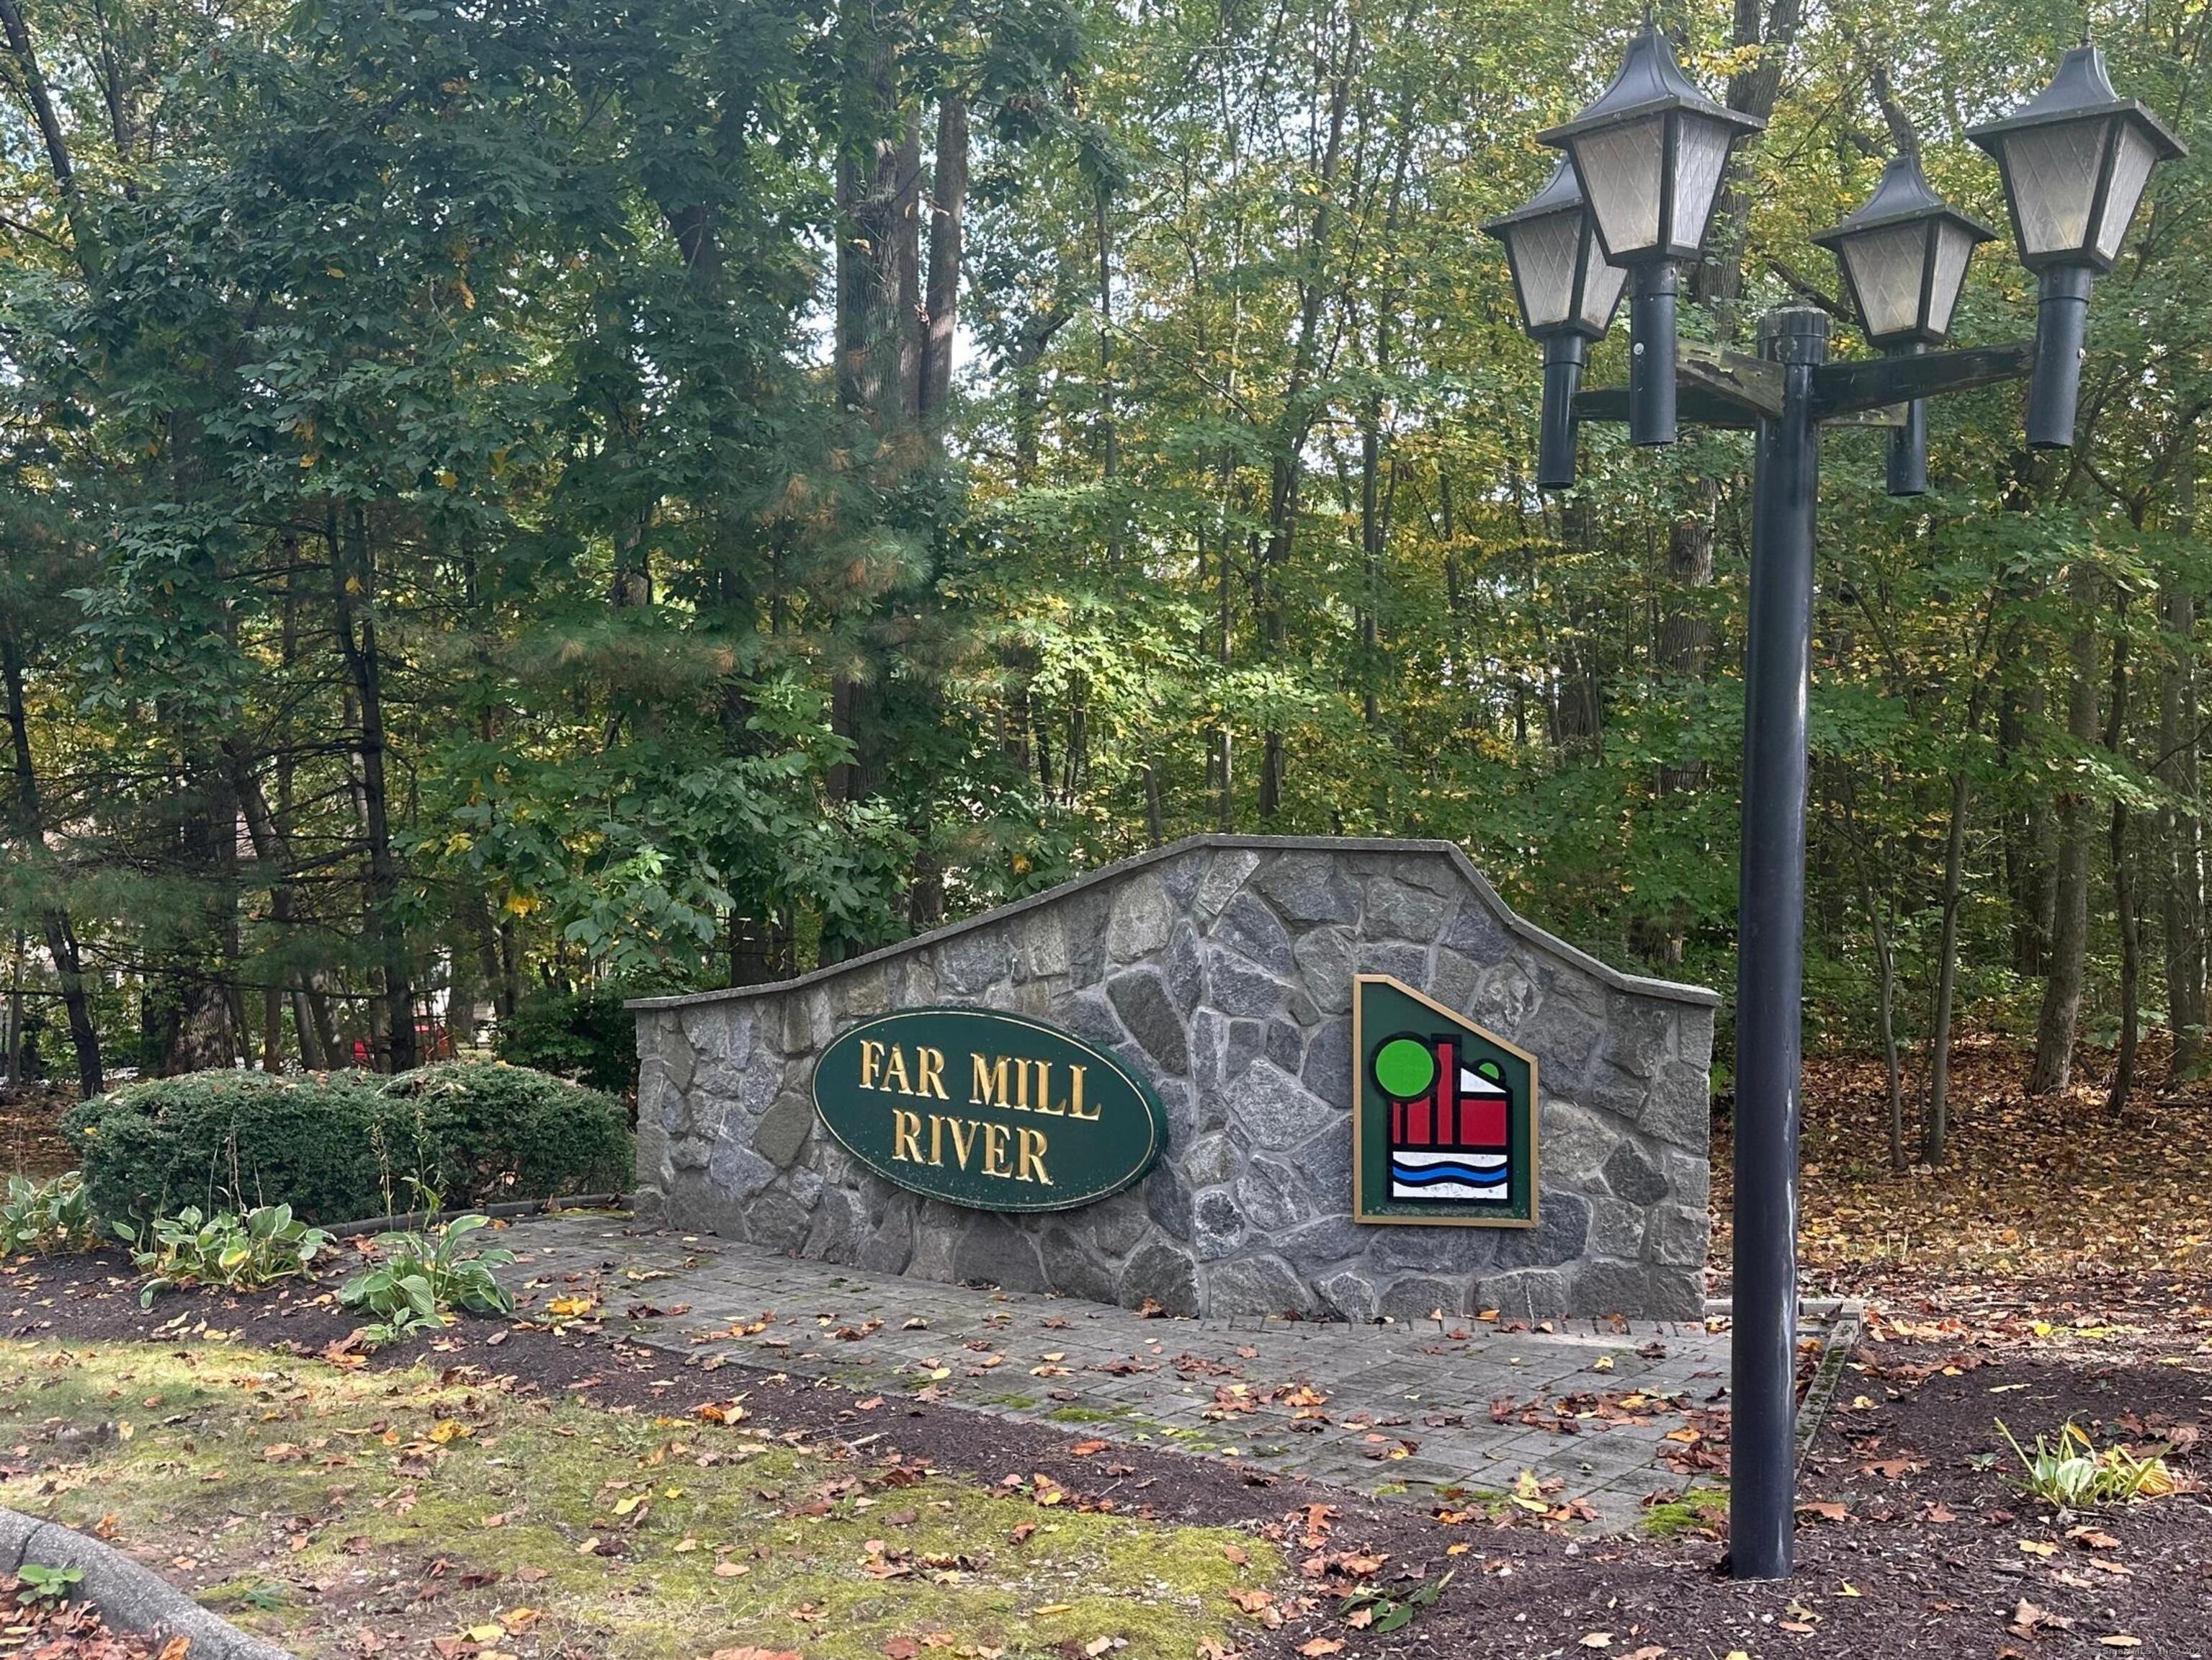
[(1405, 1068)]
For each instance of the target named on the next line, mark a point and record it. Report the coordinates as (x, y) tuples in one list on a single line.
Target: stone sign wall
[(1220, 969)]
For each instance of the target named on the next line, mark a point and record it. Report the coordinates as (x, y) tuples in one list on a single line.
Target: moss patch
[(310, 1502), (1699, 1508)]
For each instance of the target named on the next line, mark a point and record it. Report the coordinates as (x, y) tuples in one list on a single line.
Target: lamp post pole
[(1770, 960), (1904, 257)]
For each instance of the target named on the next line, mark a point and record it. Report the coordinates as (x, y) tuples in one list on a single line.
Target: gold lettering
[(936, 1139), (1032, 1156), (988, 1087), (872, 1056), (906, 1135), (1075, 1095), (963, 1145), (1021, 1101), (995, 1137), (895, 1073), (929, 1074)]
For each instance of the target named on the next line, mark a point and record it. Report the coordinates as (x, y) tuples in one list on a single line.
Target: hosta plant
[(2070, 1472), (421, 1281), (45, 1216), (239, 1253)]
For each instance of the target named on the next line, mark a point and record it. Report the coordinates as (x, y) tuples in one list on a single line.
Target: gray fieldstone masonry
[(1221, 969)]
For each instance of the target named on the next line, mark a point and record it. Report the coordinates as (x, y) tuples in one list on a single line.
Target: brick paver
[(1436, 1412)]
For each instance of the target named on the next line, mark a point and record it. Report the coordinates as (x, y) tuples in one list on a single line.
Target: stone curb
[(130, 1598), (513, 1210)]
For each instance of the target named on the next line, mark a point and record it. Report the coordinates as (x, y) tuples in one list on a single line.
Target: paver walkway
[(1599, 1413)]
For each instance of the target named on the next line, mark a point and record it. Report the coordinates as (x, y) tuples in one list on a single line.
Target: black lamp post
[(1649, 155), (1904, 257), (2076, 158), (1568, 293)]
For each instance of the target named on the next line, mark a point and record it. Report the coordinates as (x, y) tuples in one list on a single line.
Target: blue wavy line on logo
[(1423, 1175)]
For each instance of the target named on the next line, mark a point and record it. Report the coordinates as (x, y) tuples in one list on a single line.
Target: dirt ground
[(2054, 1272)]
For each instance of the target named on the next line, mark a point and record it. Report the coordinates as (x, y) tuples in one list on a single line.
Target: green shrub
[(327, 1145), (239, 1253), (45, 1216), (423, 1281), (585, 1035), (344, 1145), (511, 1132)]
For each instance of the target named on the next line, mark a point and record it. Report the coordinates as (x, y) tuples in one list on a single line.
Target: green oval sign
[(992, 1110)]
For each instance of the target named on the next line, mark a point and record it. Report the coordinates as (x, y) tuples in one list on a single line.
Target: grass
[(316, 1501)]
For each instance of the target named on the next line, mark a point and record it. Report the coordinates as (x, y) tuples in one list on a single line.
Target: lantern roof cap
[(1562, 193), (1651, 83), (1903, 198), (2081, 90)]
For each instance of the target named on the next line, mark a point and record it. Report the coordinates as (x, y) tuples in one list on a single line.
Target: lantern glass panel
[(2132, 161), (1885, 266), (1953, 247), (1544, 253), (1619, 170), (1601, 289), (1701, 152), (2051, 172)]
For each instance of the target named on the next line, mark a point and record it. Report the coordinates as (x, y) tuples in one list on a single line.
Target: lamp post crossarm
[(1724, 388), (1753, 383), (1846, 388)]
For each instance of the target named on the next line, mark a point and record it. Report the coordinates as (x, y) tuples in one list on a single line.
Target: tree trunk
[(940, 320), (40, 97), (2124, 882), (54, 920), (2069, 935), (354, 571), (1936, 1125), (2181, 827), (1288, 471)]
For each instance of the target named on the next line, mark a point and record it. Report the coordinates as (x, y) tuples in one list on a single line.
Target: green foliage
[(239, 1253), (340, 1146), (2070, 1472), (584, 1034), (527, 377), (510, 1133), (45, 1216), (422, 1280), (41, 1586), (1393, 1610), (327, 1145)]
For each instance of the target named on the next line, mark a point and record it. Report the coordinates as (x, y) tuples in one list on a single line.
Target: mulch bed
[(1914, 1548)]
